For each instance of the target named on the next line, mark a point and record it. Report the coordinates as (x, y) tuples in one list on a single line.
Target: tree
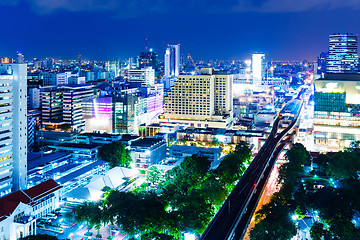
[(153, 175), (116, 154), (96, 218), (84, 213), (40, 237), (318, 232), (233, 165), (322, 161), (69, 216), (275, 223), (344, 165)]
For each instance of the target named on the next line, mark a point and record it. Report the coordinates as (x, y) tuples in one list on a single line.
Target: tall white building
[(258, 68), (13, 122), (172, 60), (201, 100)]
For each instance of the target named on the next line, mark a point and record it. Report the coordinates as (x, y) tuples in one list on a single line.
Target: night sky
[(207, 29)]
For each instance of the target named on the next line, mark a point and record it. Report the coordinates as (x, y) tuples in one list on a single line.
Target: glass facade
[(343, 57), (330, 102)]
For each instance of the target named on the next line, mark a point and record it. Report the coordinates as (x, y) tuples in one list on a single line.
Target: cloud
[(131, 8)]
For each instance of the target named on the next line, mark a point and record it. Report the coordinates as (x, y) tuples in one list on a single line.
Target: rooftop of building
[(80, 171), (104, 135), (35, 159), (78, 145), (61, 169), (190, 130), (194, 149), (10, 202), (42, 189), (56, 135), (146, 142), (128, 137), (341, 77)]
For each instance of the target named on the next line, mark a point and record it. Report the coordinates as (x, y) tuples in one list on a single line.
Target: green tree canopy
[(233, 165), (276, 223), (153, 175), (318, 232), (344, 165), (116, 154)]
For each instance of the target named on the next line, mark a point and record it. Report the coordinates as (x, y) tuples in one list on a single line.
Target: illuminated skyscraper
[(149, 59), (172, 60), (258, 68), (343, 56), (13, 133), (21, 58)]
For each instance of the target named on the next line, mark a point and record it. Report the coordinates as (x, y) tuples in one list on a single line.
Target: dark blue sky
[(226, 29)]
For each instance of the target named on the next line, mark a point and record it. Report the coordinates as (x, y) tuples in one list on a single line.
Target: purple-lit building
[(123, 110)]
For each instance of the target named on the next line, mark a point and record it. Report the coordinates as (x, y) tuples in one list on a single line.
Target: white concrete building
[(13, 123), (258, 68), (147, 151), (63, 78), (19, 210), (204, 100), (145, 75), (34, 98)]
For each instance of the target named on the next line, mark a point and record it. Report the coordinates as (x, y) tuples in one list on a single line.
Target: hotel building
[(201, 100)]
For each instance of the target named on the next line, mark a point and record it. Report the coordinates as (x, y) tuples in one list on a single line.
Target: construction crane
[(196, 68)]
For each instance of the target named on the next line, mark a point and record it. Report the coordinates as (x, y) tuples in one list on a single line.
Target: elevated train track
[(233, 218)]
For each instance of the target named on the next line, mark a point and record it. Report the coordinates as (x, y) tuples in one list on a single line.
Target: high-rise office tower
[(21, 58), (343, 56), (52, 104), (149, 59), (258, 68), (74, 97), (172, 61), (13, 133)]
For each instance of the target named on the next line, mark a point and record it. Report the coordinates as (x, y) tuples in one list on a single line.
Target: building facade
[(145, 75), (52, 103), (13, 133), (337, 111), (148, 151), (258, 66), (172, 61), (20, 209), (343, 56), (201, 100), (74, 97)]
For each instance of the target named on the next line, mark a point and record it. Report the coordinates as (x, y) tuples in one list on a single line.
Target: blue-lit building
[(343, 56)]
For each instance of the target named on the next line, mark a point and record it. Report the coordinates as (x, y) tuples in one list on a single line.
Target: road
[(234, 216)]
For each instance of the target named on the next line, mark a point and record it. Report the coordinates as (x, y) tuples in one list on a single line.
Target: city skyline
[(63, 29)]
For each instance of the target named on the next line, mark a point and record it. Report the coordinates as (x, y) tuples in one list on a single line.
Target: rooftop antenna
[(146, 44)]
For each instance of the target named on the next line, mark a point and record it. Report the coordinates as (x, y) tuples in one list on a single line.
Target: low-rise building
[(38, 164), (19, 210), (79, 150), (148, 151), (182, 151)]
